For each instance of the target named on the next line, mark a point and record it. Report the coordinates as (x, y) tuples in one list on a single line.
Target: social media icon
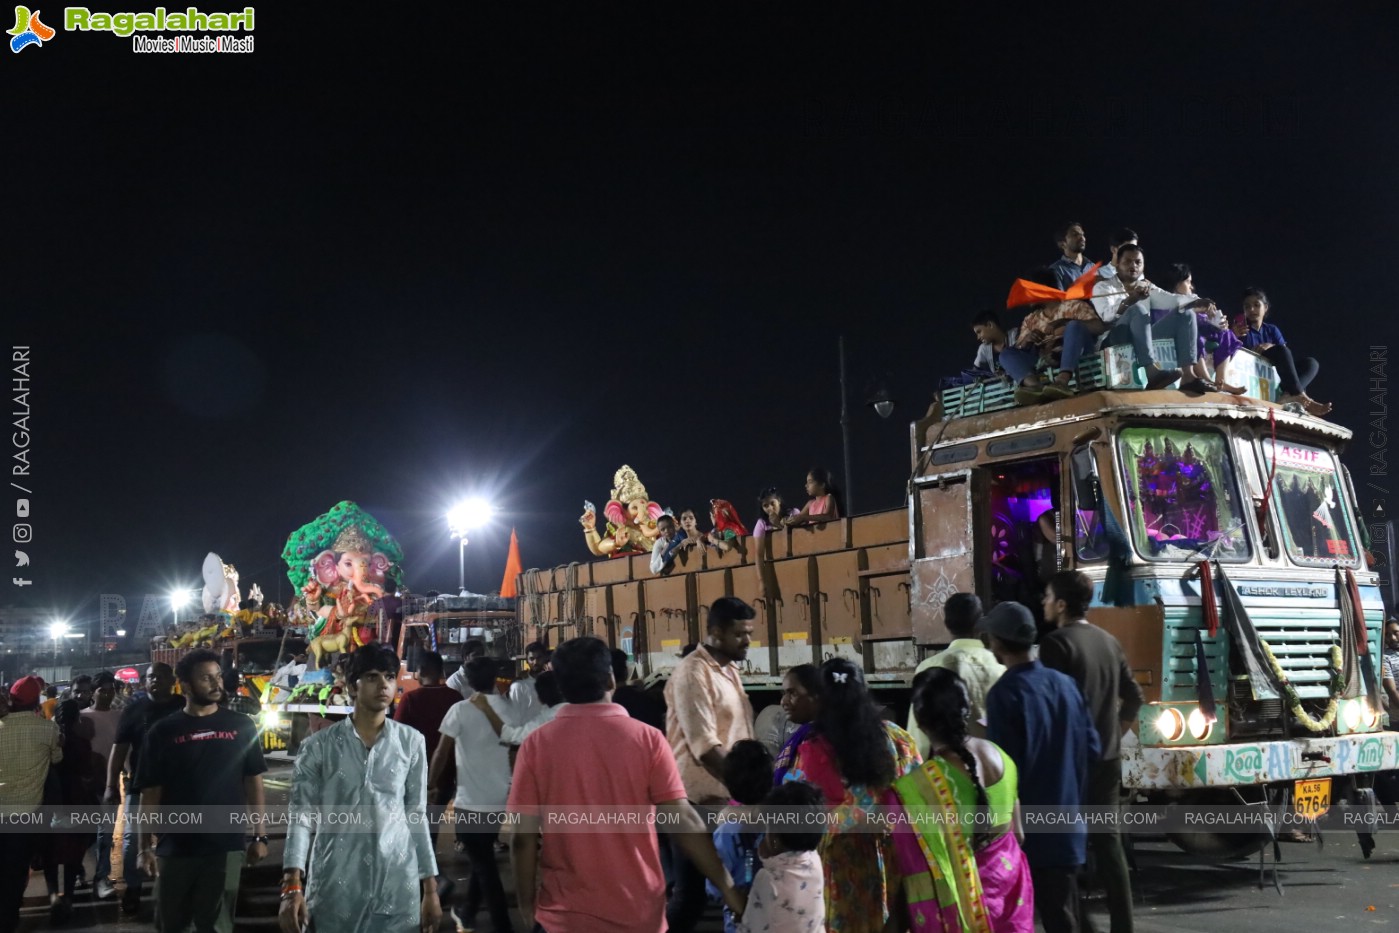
[(23, 533), (21, 508), (20, 581), (21, 559)]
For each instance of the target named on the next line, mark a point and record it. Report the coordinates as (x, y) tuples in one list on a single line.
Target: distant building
[(24, 630)]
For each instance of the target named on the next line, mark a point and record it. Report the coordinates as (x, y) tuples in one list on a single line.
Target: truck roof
[(1134, 403)]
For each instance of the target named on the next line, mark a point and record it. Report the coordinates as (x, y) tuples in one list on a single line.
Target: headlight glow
[(1170, 724), (1200, 727)]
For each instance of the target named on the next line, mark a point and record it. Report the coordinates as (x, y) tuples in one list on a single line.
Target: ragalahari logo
[(29, 30)]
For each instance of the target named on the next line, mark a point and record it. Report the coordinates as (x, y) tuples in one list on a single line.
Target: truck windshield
[(1309, 504), (1182, 496)]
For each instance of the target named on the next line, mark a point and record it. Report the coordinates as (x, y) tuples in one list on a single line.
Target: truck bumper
[(1193, 767)]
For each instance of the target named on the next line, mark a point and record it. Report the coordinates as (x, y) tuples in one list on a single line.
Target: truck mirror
[(1085, 476)]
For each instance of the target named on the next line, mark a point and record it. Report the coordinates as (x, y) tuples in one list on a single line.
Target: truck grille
[(1301, 640)]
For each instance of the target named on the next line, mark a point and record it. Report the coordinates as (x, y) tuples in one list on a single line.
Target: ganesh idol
[(341, 578), (631, 519)]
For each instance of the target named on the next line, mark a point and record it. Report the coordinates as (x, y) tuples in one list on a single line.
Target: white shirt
[(524, 700), (516, 735), (483, 764), (658, 554), (286, 672), (458, 681), (1109, 300)]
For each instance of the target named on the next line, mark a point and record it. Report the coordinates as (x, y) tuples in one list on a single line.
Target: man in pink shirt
[(596, 760)]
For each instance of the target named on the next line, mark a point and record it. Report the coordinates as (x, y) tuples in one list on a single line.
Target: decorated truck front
[(1222, 538)]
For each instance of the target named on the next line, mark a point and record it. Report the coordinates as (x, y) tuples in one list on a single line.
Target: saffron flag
[(513, 567), (1025, 292)]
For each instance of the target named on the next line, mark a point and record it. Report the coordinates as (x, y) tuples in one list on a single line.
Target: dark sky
[(415, 253)]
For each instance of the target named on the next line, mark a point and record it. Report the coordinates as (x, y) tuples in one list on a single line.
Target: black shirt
[(1096, 662), (641, 705), (137, 719), (201, 761)]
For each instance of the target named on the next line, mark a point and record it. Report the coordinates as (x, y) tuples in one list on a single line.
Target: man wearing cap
[(1038, 717), (1096, 662), (28, 745)]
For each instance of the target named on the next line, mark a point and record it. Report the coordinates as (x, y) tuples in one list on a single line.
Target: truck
[(1221, 533), (430, 623)]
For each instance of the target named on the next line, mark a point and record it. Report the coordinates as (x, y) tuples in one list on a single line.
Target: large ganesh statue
[(341, 564), (631, 519)]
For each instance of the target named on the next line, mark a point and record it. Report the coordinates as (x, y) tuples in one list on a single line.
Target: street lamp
[(179, 599), (878, 396), (57, 631), (467, 515)]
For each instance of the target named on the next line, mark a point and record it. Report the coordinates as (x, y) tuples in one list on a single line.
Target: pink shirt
[(595, 755)]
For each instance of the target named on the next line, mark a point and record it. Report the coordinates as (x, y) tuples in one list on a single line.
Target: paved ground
[(1324, 888)]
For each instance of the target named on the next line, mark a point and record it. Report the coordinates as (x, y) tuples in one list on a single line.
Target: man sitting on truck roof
[(1072, 263), (1139, 311)]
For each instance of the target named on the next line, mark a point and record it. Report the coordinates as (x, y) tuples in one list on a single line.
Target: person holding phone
[(1294, 375)]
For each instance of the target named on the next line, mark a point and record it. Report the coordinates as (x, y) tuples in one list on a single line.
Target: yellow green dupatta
[(952, 880)]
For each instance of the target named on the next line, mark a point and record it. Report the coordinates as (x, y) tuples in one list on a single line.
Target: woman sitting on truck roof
[(853, 755), (1212, 328), (824, 504), (1294, 375)]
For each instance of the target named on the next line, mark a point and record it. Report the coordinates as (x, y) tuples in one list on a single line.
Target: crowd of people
[(992, 728), (1081, 306), (775, 826)]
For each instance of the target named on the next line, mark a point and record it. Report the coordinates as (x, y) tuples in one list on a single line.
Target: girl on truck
[(824, 504)]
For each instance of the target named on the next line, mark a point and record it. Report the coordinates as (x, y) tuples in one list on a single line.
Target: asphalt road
[(1327, 887)]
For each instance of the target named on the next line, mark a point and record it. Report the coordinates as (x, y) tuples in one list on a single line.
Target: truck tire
[(1219, 847)]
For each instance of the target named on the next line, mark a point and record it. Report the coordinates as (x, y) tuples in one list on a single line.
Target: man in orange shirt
[(706, 713)]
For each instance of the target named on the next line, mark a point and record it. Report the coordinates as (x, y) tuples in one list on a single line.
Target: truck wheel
[(1219, 847)]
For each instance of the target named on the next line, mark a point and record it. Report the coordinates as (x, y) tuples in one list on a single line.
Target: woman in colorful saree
[(853, 755), (957, 827), (801, 699)]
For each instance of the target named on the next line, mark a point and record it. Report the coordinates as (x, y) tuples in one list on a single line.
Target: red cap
[(26, 691)]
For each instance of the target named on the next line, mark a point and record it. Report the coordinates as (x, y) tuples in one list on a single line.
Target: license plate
[(1311, 799)]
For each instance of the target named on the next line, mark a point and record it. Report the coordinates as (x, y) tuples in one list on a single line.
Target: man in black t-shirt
[(136, 720), (203, 756)]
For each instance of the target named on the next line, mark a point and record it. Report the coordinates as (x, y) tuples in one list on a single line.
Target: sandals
[(1162, 378), (1057, 391), (1198, 386), (1310, 405), (1029, 395)]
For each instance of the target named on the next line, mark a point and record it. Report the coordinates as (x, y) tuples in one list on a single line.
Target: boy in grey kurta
[(357, 881)]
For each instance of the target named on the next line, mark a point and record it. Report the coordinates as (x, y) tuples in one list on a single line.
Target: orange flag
[(513, 567), (1025, 292), (1082, 287)]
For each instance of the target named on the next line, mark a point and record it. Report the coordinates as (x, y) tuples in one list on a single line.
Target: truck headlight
[(1170, 724), (1199, 724)]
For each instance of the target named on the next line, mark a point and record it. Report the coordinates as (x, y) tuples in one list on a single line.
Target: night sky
[(404, 254)]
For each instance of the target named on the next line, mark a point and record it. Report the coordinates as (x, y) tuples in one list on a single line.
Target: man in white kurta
[(358, 879)]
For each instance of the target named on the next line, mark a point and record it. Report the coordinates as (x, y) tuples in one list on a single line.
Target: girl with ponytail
[(957, 835), (853, 755)]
